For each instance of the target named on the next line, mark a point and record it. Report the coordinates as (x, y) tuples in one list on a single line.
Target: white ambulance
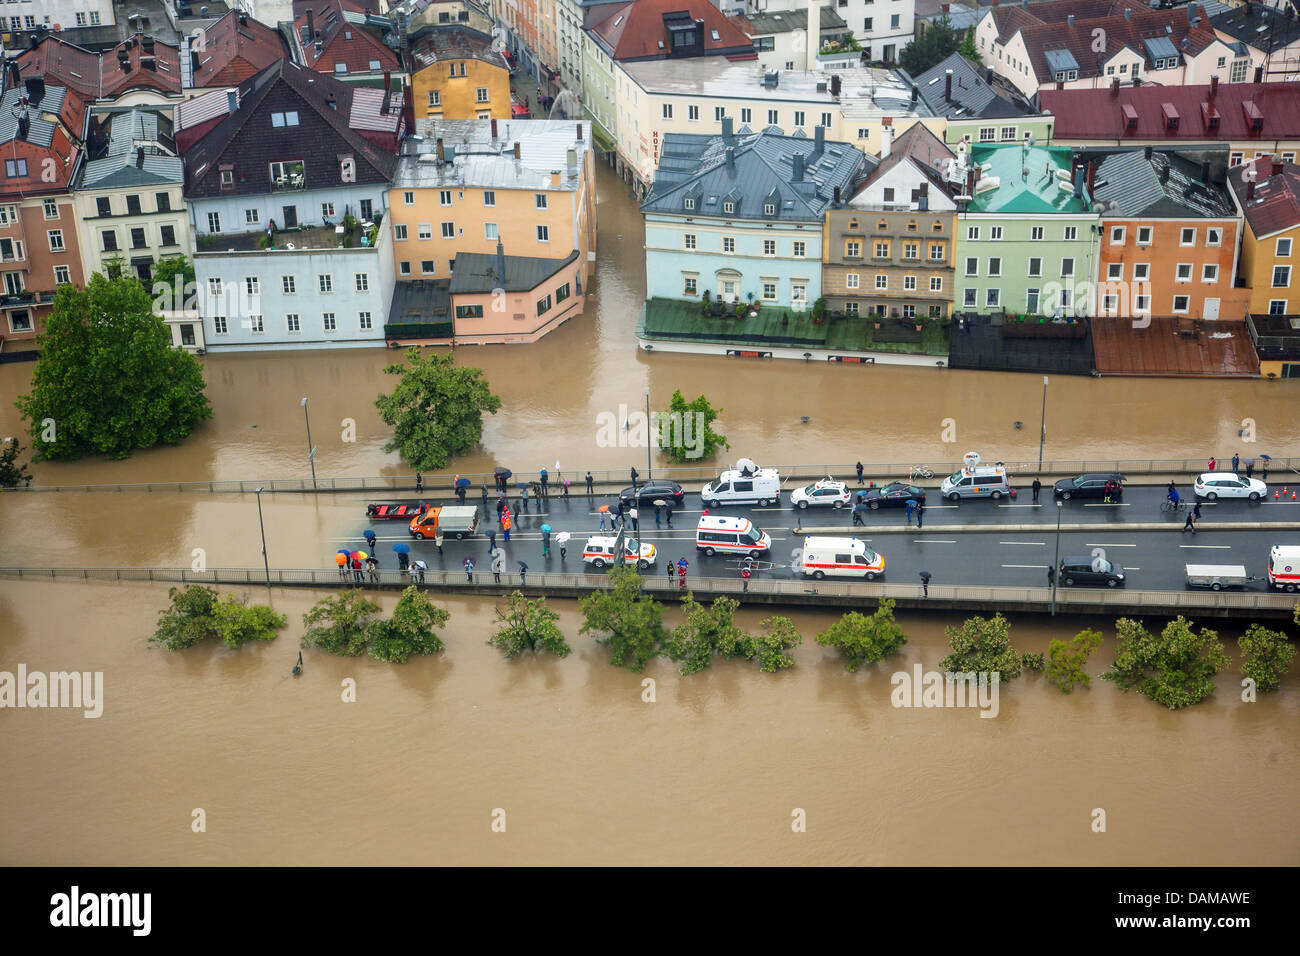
[(722, 534), (839, 558), (1284, 567)]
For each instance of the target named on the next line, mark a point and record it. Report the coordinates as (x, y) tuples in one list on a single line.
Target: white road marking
[(1038, 543), (1094, 544), (1207, 547), (1026, 505), (1038, 567), (934, 540), (1108, 504)]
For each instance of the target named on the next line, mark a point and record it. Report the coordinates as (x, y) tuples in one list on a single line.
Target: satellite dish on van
[(288, 245), (971, 459), (747, 464)]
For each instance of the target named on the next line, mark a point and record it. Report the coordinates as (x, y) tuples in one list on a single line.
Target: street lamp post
[(1043, 425), (1056, 563), (311, 450), (649, 431), (266, 563)]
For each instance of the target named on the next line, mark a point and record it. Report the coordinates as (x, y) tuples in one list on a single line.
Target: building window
[(798, 118), (1141, 271), (1234, 159), (993, 298), (62, 274), (539, 200), (972, 233), (688, 285), (1008, 134), (252, 285), (851, 280), (688, 241), (404, 268), (1184, 272), (1071, 233), (1281, 277), (1117, 235), (909, 283), (481, 94), (936, 283), (469, 311), (109, 238), (1238, 74), (448, 230), (882, 250), (288, 285), (1031, 301), (970, 298), (972, 266), (435, 98), (692, 113), (214, 289), (543, 305), (850, 308), (362, 280), (1109, 304), (489, 197), (543, 233), (103, 206), (852, 249), (1144, 235), (689, 202), (325, 283), (1210, 273), (219, 325), (826, 120), (911, 250), (882, 282), (256, 325), (562, 293), (995, 267), (425, 231), (729, 244), (1277, 306), (800, 249), (1181, 303), (51, 207), (728, 207), (292, 323), (769, 291), (936, 252), (365, 321), (668, 111), (1115, 271), (718, 113), (329, 322), (1066, 299), (773, 116), (138, 240), (427, 267), (1067, 268), (408, 198), (995, 232), (1283, 249), (214, 222), (1188, 237), (15, 168), (769, 247), (1036, 233), (444, 197), (1213, 236), (909, 311), (988, 134), (56, 240)]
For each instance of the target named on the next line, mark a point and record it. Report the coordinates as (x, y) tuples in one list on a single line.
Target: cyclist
[(1173, 496)]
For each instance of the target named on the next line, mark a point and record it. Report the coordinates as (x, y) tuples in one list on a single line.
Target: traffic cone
[(1293, 496), (1275, 496)]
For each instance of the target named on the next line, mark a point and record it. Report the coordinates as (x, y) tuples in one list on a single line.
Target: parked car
[(1086, 570), (1091, 484), (821, 494), (658, 489), (893, 495), (1221, 484)]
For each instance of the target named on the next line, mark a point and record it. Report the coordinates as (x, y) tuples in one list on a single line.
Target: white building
[(56, 14), (882, 27)]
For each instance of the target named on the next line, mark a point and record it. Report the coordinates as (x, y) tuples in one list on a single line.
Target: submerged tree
[(1175, 668), (436, 410), (686, 430), (12, 474), (629, 620), (528, 625), (196, 614), (1265, 656), (340, 623), (411, 629), (982, 646), (864, 639), (1065, 661)]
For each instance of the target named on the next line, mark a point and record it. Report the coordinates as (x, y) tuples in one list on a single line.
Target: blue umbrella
[(462, 482), (913, 502), (345, 552), (546, 529), (402, 548)]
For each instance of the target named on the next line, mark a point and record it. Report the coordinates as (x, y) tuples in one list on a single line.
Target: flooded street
[(588, 773)]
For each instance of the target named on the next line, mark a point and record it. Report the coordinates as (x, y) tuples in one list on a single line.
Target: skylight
[(619, 20), (716, 36)]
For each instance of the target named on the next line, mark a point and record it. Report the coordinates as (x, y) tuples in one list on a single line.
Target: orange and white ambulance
[(839, 558), (723, 534), (1284, 567)]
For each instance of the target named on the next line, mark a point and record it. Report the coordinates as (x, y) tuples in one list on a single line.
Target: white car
[(1224, 484), (824, 493), (599, 552)]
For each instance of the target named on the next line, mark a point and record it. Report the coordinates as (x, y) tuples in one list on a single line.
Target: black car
[(893, 495), (657, 489), (1091, 484), (1082, 570)]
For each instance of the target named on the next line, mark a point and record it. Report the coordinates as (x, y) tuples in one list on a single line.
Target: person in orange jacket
[(505, 526)]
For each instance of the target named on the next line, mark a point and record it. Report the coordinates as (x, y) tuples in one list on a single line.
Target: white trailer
[(1216, 577)]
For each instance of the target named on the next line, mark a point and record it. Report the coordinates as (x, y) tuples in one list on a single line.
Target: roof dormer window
[(769, 209)]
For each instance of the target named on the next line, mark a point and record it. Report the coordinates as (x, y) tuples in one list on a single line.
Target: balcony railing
[(289, 183)]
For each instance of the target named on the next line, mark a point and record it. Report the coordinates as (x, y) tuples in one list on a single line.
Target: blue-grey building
[(740, 215)]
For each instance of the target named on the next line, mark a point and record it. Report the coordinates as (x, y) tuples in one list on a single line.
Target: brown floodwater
[(553, 391), (587, 773)]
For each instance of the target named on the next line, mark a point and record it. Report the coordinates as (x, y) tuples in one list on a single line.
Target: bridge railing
[(440, 485), (802, 591)]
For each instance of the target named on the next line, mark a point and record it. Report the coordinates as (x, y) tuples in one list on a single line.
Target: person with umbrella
[(403, 550), (746, 569), (502, 474), (659, 507), (603, 511), (1263, 473), (523, 497), (469, 569), (925, 583), (417, 571), (341, 559), (462, 487), (909, 507), (372, 569), (505, 526), (523, 574), (370, 538), (492, 541), (546, 540), (501, 506), (356, 565), (562, 539), (859, 507), (498, 564)]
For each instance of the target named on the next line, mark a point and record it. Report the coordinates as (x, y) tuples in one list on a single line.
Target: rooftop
[(234, 49), (1275, 206), (925, 149), (1163, 185), (138, 151), (1259, 26), (339, 29), (420, 302), (479, 160), (479, 272), (307, 238), (787, 21), (40, 131), (972, 96), (1103, 114), (641, 30), (439, 44), (1028, 180)]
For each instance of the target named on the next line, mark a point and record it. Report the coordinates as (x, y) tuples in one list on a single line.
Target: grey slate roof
[(1160, 48), (41, 132), (1059, 61), (1132, 181), (972, 97), (1259, 26), (693, 164), (118, 165), (787, 21), (476, 272)]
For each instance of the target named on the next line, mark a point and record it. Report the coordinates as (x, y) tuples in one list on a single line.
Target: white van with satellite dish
[(1284, 567), (747, 484), (839, 558), (976, 480)]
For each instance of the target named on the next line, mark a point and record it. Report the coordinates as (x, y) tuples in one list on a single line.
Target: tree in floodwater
[(1265, 656), (12, 474), (340, 623), (1175, 668), (982, 646), (108, 380), (864, 639), (436, 410), (411, 629), (196, 614), (527, 625), (686, 429), (629, 620), (1065, 661), (711, 629)]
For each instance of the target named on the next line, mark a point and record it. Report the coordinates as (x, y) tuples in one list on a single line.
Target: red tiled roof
[(1099, 114), (68, 64), (1276, 203), (165, 75), (635, 30), (234, 51), (1118, 30), (341, 41)]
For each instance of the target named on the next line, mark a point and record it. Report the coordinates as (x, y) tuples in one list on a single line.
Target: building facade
[(1267, 191), (456, 74)]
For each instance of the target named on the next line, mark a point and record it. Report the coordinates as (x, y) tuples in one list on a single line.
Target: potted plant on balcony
[(706, 302), (819, 310)]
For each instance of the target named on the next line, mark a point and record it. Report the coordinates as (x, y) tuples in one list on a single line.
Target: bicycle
[(1168, 506), (919, 471)]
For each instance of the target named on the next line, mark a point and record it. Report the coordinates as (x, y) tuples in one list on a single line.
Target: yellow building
[(1268, 193), (528, 185), (456, 75)]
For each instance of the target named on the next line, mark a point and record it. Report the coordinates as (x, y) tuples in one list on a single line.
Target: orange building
[(1169, 238), (38, 223)]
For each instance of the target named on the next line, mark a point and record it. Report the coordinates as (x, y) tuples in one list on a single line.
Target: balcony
[(289, 176)]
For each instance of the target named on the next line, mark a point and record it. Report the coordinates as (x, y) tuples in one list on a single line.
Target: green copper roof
[(1027, 180)]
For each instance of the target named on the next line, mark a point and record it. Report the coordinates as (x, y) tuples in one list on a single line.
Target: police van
[(839, 558), (721, 534), (976, 481), (744, 486)]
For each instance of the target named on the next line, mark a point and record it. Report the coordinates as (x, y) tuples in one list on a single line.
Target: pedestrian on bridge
[(632, 513), (1250, 467), (858, 510), (1212, 463), (419, 482), (1236, 462), (492, 541), (909, 507), (523, 574), (1190, 524), (356, 570), (588, 482), (523, 498), (483, 490), (859, 472), (341, 559), (417, 571), (460, 493), (498, 565), (634, 478), (546, 544), (925, 583), (668, 515), (437, 539), (658, 511), (546, 478), (670, 573), (469, 570), (920, 514), (505, 527), (1036, 487), (370, 538)]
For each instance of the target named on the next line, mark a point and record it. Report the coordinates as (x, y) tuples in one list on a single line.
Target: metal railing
[(1076, 600), (441, 484)]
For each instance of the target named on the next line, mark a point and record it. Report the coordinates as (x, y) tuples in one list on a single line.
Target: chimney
[(388, 88), (35, 86), (1070, 21), (501, 263), (1214, 85), (24, 124), (571, 158), (311, 26), (1147, 153), (555, 179), (440, 152), (1259, 74), (578, 127), (232, 99), (148, 43), (1250, 190), (947, 86), (835, 84), (1277, 167), (194, 62), (726, 129), (819, 141), (1114, 87), (916, 91), (1091, 175), (797, 175), (1128, 14), (731, 159), (886, 140), (139, 157), (516, 149), (988, 75), (837, 196), (494, 129), (149, 63), (124, 61), (1164, 173)]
